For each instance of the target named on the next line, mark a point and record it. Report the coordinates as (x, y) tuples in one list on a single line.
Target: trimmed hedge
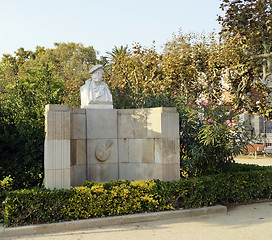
[(94, 199), (3, 195)]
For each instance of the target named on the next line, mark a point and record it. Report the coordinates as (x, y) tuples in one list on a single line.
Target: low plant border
[(93, 199)]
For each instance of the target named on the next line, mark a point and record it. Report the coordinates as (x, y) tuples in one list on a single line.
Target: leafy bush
[(22, 124), (5, 185), (211, 136), (94, 199)]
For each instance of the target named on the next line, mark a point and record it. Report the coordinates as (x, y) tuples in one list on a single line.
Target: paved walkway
[(241, 222), (261, 160)]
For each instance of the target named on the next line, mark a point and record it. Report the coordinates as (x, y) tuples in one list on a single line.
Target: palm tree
[(116, 52)]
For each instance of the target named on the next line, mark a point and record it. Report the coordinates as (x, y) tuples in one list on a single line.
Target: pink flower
[(239, 107), (224, 103), (76, 86), (71, 89), (121, 92), (230, 124), (162, 90), (229, 108), (214, 103), (205, 104), (205, 119), (228, 121), (209, 120), (175, 93), (189, 103)]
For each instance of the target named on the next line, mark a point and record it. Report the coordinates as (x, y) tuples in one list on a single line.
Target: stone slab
[(141, 150), (56, 154), (78, 152), (101, 123), (125, 111), (57, 125), (57, 178), (78, 175), (79, 126), (123, 150), (170, 125), (140, 123), (104, 172), (167, 151), (134, 171), (125, 126), (127, 171), (57, 107), (154, 125), (100, 106)]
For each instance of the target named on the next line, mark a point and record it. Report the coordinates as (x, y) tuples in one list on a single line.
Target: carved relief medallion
[(102, 151)]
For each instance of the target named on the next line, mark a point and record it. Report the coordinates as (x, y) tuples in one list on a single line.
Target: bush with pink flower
[(211, 136)]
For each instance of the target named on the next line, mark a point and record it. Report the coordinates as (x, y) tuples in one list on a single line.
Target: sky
[(102, 24)]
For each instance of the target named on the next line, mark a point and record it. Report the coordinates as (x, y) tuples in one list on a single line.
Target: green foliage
[(94, 199), (70, 62), (36, 206), (22, 124), (126, 97), (247, 28), (211, 135), (190, 65), (5, 186)]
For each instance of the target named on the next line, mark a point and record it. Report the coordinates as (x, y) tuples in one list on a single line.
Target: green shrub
[(22, 133), (33, 206), (211, 136), (94, 199), (5, 185)]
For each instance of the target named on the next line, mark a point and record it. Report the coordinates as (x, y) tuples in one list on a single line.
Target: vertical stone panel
[(126, 126), (57, 157), (123, 150), (101, 123), (154, 123), (79, 124), (140, 123), (170, 125), (166, 150), (103, 172)]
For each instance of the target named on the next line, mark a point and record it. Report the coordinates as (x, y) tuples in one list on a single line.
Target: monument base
[(110, 144), (100, 106)]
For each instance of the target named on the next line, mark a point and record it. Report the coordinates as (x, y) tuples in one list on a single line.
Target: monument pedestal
[(110, 144), (100, 106)]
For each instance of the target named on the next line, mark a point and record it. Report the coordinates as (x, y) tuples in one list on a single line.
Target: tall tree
[(192, 64), (248, 23), (70, 61)]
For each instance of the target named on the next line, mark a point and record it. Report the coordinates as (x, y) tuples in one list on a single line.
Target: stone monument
[(95, 93), (99, 143)]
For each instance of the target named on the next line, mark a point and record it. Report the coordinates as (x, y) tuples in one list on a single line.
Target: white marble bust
[(95, 93)]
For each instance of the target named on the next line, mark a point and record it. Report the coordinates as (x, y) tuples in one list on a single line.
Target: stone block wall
[(110, 144)]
